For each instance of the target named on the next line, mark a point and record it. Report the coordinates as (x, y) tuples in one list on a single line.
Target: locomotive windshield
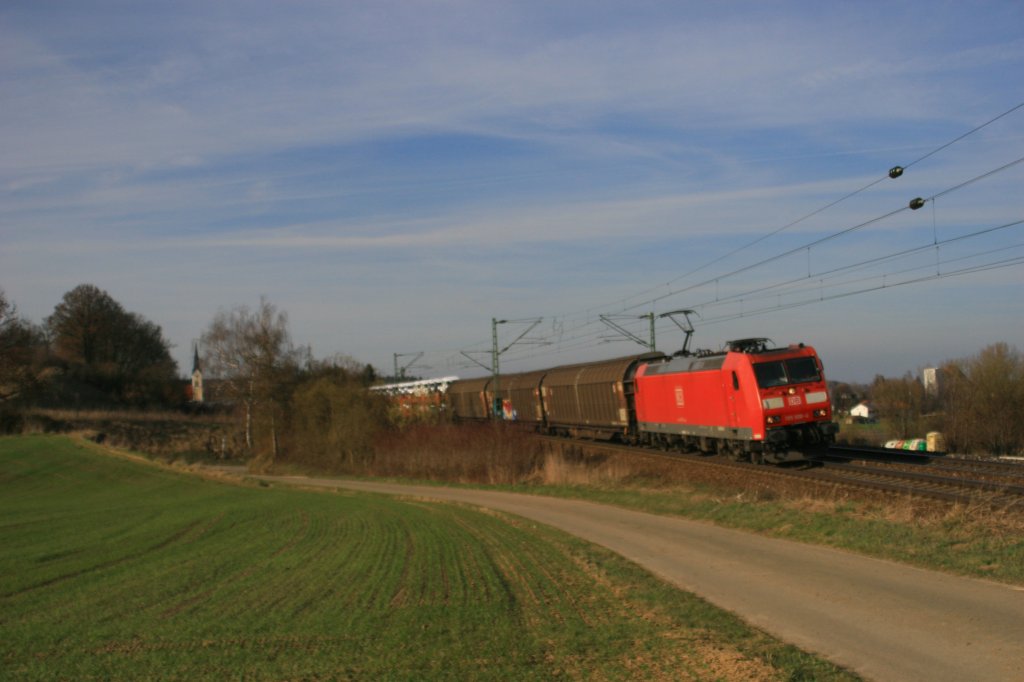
[(782, 372), (802, 370)]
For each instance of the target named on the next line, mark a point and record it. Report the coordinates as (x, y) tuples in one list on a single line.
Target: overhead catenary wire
[(821, 285), (965, 135), (830, 237), (590, 319), (863, 263), (840, 233), (587, 340), (819, 282), (888, 175), (1004, 263), (887, 283), (582, 328)]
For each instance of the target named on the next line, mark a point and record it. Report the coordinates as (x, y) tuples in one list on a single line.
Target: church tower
[(197, 378)]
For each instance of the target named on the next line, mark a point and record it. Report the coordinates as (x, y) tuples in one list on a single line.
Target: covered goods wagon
[(594, 399)]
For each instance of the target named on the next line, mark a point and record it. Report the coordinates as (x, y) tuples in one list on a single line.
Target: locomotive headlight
[(772, 419), (821, 413)]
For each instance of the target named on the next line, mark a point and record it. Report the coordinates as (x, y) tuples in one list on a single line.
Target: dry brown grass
[(494, 454), (557, 469), (164, 434), (141, 416), (985, 514)]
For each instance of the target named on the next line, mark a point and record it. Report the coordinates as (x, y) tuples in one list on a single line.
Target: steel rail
[(956, 482)]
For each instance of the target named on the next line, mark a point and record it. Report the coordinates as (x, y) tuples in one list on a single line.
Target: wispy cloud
[(485, 156)]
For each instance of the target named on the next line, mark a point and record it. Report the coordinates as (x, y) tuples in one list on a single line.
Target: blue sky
[(395, 174)]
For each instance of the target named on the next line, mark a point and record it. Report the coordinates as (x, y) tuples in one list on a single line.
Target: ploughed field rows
[(113, 569)]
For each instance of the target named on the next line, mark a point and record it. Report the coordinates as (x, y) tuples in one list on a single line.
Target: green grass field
[(115, 569)]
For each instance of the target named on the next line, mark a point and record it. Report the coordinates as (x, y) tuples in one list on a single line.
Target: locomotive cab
[(792, 402)]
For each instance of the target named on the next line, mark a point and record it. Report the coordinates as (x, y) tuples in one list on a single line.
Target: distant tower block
[(930, 379), (197, 378)]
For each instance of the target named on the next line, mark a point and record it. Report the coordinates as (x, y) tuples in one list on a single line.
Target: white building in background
[(863, 410), (930, 379)]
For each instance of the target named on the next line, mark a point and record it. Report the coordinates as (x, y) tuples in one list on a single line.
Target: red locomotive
[(750, 401)]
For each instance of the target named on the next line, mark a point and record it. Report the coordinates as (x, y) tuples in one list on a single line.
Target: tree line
[(292, 407), (978, 403), (91, 353)]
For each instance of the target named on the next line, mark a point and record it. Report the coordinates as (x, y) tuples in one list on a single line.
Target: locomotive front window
[(802, 370), (770, 374), (782, 372)]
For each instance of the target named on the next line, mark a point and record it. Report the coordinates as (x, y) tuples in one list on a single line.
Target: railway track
[(932, 483), (948, 479)]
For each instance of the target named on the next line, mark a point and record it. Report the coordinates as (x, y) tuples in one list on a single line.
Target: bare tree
[(22, 348), (250, 352), (984, 401), (901, 402)]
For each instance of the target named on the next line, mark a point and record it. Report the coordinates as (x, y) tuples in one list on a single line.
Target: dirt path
[(886, 621)]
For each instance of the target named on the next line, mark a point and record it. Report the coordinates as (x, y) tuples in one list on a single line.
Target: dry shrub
[(492, 453), (990, 513), (147, 416), (984, 398), (335, 424), (162, 434)]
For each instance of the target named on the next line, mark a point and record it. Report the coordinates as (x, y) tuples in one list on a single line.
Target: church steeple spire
[(197, 377)]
